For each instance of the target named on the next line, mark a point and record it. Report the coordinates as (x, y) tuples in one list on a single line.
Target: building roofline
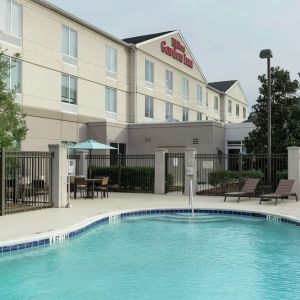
[(80, 21), (214, 89)]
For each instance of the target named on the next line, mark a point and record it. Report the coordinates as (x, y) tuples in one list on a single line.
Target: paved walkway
[(31, 223)]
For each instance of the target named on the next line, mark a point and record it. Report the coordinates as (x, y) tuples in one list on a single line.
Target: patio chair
[(247, 190), (102, 187), (283, 190), (80, 186)]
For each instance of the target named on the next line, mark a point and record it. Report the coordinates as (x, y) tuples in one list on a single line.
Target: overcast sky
[(225, 36)]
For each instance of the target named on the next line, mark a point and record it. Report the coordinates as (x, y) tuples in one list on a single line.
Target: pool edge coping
[(60, 235)]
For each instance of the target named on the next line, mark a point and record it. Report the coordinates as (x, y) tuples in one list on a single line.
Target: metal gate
[(174, 173), (219, 173), (26, 181)]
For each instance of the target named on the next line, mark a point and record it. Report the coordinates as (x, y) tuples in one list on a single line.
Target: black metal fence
[(25, 179), (127, 173), (219, 173), (175, 173)]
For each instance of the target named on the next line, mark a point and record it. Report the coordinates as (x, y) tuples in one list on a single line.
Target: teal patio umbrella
[(92, 145)]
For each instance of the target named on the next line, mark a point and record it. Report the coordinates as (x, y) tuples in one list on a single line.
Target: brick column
[(159, 184), (59, 175), (190, 165), (294, 168)]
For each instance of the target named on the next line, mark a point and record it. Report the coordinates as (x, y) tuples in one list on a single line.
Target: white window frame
[(169, 111), (207, 99), (67, 57), (185, 114), (185, 88), (229, 107), (111, 59), (12, 61), (199, 94), (216, 103), (199, 116), (111, 96), (149, 73), (149, 107), (237, 110), (169, 82), (7, 35), (69, 89)]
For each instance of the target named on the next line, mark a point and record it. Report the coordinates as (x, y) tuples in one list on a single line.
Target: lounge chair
[(102, 187), (283, 190), (247, 190)]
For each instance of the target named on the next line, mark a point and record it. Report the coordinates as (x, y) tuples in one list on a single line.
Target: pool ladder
[(191, 197)]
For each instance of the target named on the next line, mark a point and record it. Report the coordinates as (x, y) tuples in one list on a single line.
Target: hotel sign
[(176, 51)]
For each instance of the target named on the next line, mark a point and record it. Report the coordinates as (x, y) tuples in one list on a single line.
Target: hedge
[(128, 178), (223, 178)]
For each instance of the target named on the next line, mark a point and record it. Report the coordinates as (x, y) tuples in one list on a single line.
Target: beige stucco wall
[(145, 138)]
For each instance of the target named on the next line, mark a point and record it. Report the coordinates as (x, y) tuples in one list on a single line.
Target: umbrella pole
[(90, 171)]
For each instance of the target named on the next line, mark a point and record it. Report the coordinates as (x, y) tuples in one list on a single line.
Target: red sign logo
[(177, 51)]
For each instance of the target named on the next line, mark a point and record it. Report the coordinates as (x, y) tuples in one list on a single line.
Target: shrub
[(222, 178), (127, 178), (282, 174)]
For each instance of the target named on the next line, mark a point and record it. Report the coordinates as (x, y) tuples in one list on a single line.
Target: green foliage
[(12, 119), (285, 114), (282, 174), (169, 182), (131, 178), (221, 179)]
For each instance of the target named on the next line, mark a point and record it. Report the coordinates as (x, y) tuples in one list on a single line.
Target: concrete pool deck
[(34, 223)]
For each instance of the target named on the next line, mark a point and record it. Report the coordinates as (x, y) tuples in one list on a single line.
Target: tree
[(285, 128), (12, 119)]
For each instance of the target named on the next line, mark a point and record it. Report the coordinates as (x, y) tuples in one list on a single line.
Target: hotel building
[(75, 81)]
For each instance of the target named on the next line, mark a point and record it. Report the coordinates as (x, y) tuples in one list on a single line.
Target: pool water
[(162, 257)]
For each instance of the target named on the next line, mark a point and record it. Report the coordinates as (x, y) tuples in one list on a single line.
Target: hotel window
[(68, 89), (216, 103), (111, 61), (149, 107), (199, 95), (169, 82), (69, 44), (14, 79), (169, 111), (237, 110), (229, 106), (11, 21), (110, 100), (199, 116), (149, 72), (185, 88), (206, 99), (185, 114), (244, 112)]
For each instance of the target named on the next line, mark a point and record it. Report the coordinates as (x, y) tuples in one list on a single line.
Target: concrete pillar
[(159, 183), (294, 168), (190, 166), (83, 162), (59, 175)]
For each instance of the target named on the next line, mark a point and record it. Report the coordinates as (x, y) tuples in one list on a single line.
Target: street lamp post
[(267, 53)]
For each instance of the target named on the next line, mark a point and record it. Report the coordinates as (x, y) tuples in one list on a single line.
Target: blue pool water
[(162, 257)]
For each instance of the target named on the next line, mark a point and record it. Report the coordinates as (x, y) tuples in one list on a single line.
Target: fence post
[(59, 175), (240, 162), (190, 162), (2, 181), (294, 168), (83, 162), (159, 177)]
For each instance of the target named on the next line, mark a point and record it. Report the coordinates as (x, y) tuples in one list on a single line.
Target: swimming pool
[(162, 257)]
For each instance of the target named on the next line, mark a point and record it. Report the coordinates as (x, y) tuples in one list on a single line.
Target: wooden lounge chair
[(283, 190), (247, 190)]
